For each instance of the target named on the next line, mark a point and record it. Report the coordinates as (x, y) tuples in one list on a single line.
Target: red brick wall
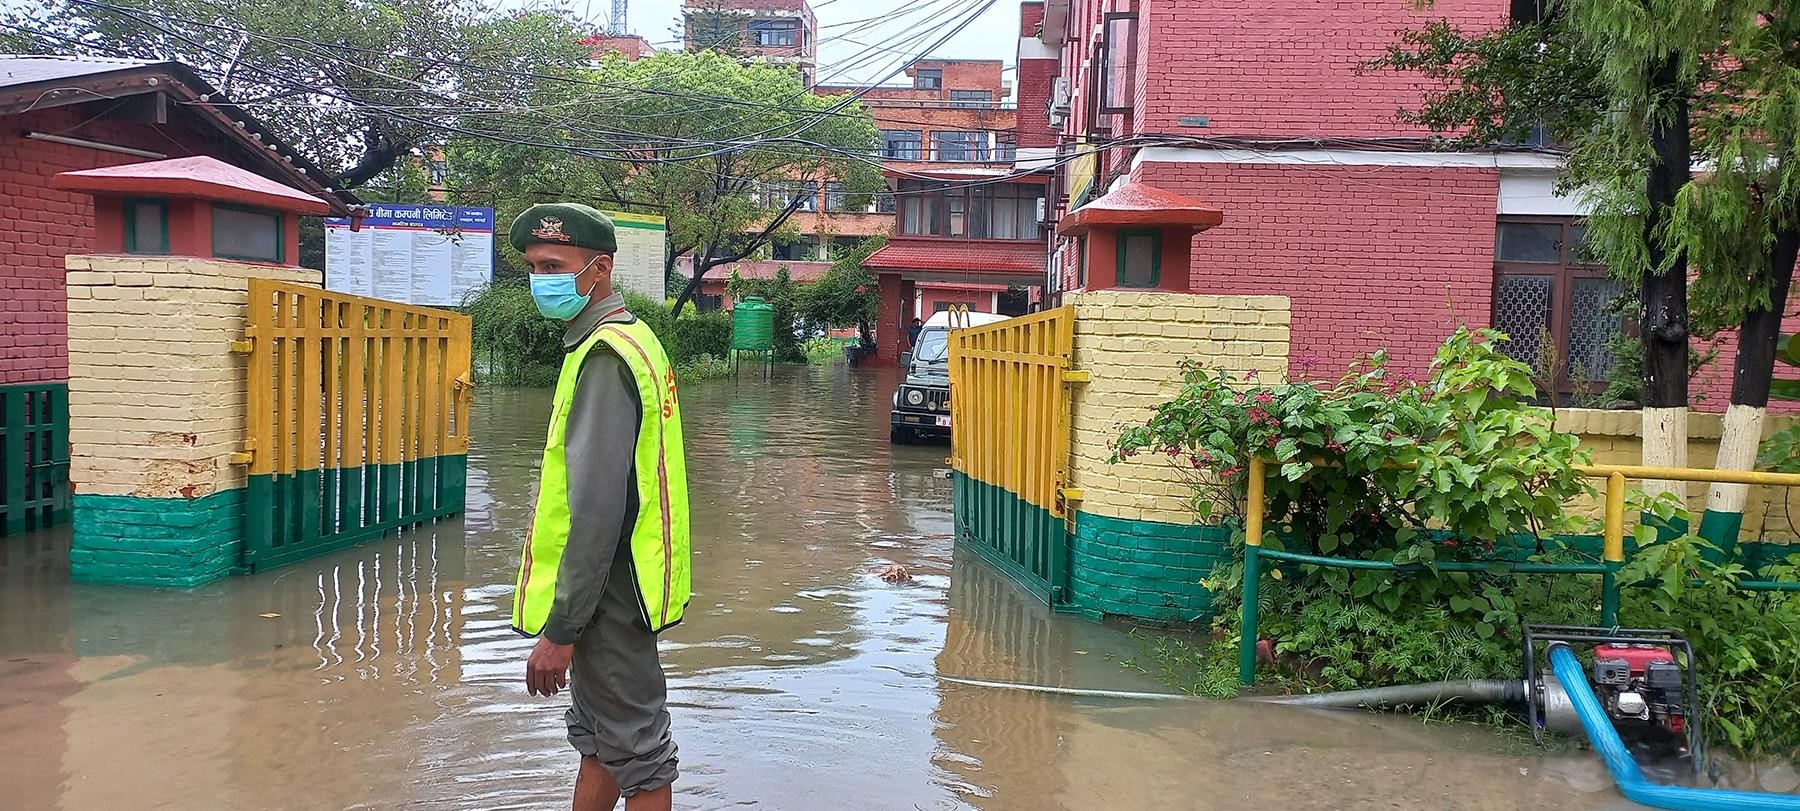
[(40, 225), (1031, 15), (981, 301), (1371, 257), (1291, 68), (1036, 78)]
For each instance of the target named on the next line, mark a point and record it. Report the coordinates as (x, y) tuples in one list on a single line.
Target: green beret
[(564, 224)]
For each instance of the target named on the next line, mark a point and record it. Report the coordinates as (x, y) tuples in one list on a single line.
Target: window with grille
[(246, 233), (988, 211), (971, 98), (953, 145), (903, 145), (1117, 69), (780, 194), (1554, 301), (770, 33)]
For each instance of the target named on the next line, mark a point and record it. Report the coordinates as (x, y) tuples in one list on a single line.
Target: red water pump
[(1643, 679), (1640, 683)]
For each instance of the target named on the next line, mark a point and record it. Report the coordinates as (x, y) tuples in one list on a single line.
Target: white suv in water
[(922, 403)]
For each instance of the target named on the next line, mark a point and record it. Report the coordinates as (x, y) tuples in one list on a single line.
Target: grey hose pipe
[(1489, 691)]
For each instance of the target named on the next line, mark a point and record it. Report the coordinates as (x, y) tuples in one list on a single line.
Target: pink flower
[(1256, 414), (1307, 362), (1450, 544), (1265, 398), (1273, 441), (1334, 446), (1231, 471), (1239, 399)]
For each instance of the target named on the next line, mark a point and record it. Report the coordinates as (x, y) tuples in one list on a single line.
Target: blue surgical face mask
[(557, 294)]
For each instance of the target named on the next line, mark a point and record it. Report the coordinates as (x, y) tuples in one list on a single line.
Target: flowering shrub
[(1380, 465)]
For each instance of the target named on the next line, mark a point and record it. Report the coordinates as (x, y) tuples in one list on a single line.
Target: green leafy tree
[(848, 294), (724, 150), (713, 25), (1641, 90), (357, 87)]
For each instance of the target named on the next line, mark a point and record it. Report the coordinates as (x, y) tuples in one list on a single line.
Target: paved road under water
[(386, 676)]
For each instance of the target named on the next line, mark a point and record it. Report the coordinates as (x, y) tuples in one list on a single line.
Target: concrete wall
[(1137, 548), (157, 406)]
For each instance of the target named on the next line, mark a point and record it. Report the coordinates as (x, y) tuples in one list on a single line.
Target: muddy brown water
[(801, 681)]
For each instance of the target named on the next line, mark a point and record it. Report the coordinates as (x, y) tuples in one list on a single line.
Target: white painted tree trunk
[(1737, 451), (1665, 445)]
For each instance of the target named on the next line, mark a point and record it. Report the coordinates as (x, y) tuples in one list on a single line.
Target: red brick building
[(631, 47), (63, 114), (967, 171), (780, 31), (1263, 110)]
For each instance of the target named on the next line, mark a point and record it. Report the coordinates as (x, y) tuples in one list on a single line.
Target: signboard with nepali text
[(411, 254)]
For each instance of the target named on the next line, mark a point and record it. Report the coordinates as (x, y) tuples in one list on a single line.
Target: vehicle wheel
[(900, 436)]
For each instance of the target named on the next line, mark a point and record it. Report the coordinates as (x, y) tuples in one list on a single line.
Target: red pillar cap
[(1140, 205)]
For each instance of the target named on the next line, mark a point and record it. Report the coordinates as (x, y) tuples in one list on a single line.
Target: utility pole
[(616, 27)]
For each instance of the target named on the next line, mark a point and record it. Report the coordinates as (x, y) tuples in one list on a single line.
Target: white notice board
[(425, 255), (638, 266)]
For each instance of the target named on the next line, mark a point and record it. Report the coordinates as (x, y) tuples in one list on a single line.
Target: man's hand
[(547, 671)]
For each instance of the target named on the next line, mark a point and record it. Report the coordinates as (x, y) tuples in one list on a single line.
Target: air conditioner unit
[(1060, 102)]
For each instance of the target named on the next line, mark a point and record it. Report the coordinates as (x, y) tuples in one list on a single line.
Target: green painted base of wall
[(174, 542), (1145, 570)]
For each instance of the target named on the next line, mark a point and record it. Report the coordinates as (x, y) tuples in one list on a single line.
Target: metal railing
[(358, 419), (34, 457), (1612, 555)]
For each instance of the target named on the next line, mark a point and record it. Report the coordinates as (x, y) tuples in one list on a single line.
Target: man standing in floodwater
[(605, 568)]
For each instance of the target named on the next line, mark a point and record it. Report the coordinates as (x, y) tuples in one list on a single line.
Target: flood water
[(387, 677)]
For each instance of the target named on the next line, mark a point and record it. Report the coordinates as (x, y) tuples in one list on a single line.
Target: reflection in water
[(387, 676)]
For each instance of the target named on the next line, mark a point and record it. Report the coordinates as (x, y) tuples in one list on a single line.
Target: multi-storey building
[(964, 210), (781, 31), (1269, 112)]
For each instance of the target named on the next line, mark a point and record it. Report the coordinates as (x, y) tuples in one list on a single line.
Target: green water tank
[(753, 325)]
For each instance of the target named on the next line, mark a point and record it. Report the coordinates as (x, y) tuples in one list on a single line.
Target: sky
[(860, 40)]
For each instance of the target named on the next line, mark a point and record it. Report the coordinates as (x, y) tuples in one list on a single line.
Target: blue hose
[(1624, 768)]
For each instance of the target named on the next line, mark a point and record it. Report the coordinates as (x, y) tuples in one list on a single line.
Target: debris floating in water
[(269, 615), (896, 573)]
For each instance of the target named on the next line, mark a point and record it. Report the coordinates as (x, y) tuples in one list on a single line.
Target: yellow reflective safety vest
[(659, 537)]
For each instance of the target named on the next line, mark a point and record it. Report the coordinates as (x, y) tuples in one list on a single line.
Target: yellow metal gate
[(358, 419), (1009, 415)]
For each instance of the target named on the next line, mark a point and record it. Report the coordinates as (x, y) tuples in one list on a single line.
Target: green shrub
[(704, 367), (823, 351), (515, 345), (1421, 472), (1409, 471)]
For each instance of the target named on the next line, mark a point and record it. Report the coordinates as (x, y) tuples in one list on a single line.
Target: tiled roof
[(798, 270), (200, 175), (23, 70), (967, 255)]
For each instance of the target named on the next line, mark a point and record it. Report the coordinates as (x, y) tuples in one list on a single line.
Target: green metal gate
[(34, 457)]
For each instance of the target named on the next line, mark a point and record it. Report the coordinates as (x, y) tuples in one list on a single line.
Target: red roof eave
[(967, 255), (200, 176)]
